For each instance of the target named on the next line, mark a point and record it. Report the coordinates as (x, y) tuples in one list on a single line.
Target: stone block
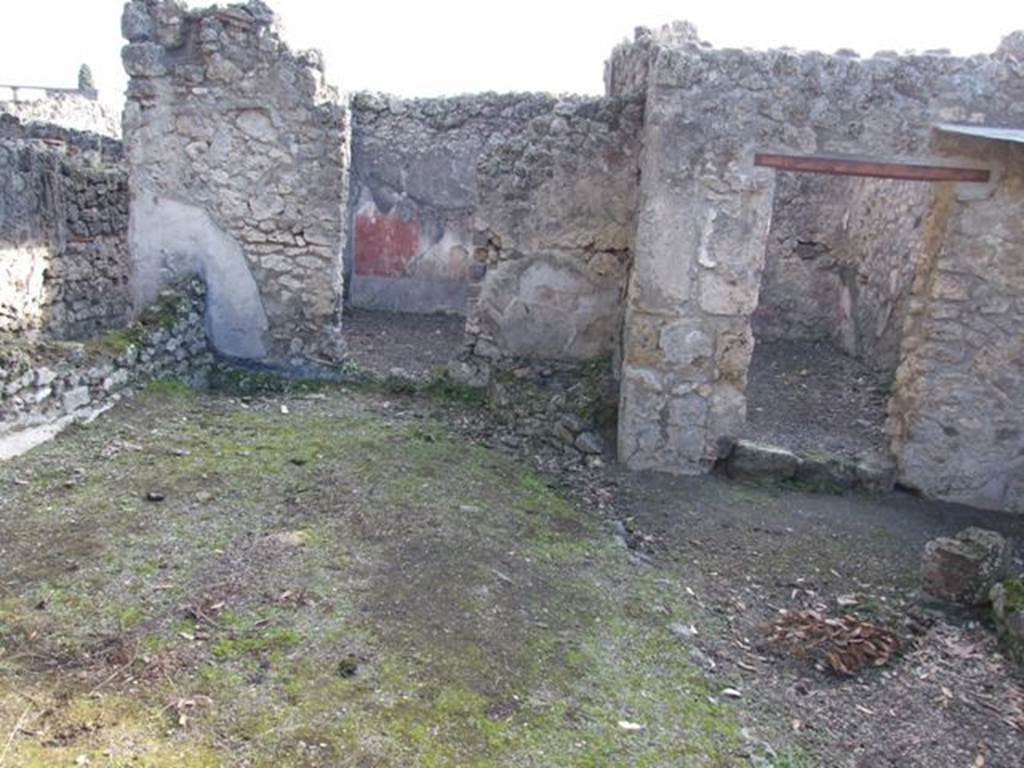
[(963, 569), (75, 399), (144, 60), (757, 462), (136, 23), (589, 443)]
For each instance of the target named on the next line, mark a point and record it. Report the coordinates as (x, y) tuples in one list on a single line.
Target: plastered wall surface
[(414, 193), (957, 418), (553, 233)]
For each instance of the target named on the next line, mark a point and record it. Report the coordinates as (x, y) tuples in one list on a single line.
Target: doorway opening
[(840, 262)]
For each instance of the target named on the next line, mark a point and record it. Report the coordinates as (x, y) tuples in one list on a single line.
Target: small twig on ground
[(14, 733), (116, 672)]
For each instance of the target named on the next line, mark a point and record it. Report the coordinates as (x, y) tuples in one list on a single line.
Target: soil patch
[(417, 344), (807, 396)]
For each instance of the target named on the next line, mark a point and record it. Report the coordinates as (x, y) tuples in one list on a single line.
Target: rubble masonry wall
[(957, 418), (75, 110), (46, 382), (64, 260), (553, 233)]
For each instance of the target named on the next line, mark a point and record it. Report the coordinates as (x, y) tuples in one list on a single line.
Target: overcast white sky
[(455, 46)]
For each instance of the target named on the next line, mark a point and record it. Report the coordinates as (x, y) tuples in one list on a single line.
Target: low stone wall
[(86, 146), (414, 193), (568, 406), (554, 229), (64, 261), (48, 382)]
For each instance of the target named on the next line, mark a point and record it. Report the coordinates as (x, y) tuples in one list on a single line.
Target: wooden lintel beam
[(870, 168)]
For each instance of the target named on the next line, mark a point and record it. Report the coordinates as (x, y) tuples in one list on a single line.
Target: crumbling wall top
[(78, 145), (675, 56)]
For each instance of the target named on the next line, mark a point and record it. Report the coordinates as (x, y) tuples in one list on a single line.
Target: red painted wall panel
[(384, 244)]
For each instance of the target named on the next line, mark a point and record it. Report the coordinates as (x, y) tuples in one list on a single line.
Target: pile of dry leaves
[(843, 646)]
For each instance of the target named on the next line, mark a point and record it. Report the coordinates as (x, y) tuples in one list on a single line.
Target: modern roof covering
[(984, 132)]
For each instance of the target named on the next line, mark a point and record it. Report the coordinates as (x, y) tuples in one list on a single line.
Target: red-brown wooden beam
[(870, 168)]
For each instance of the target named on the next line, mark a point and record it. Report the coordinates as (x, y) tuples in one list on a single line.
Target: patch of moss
[(444, 388), (164, 312), (493, 619), (118, 341), (105, 730), (272, 639), (1014, 595), (791, 759), (237, 381), (161, 315), (171, 388)]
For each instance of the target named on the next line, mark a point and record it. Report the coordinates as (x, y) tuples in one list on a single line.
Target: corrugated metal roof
[(984, 132)]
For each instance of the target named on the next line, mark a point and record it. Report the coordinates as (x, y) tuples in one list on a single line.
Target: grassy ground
[(302, 581)]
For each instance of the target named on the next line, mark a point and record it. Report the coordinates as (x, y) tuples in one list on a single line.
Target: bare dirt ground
[(331, 577), (418, 344), (950, 699), (806, 396)]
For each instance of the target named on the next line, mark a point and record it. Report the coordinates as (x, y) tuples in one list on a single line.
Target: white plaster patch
[(170, 240)]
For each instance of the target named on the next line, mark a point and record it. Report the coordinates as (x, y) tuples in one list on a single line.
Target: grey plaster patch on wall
[(550, 307), (170, 240)]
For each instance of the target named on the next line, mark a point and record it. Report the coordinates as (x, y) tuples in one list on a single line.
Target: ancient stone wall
[(957, 417), (76, 110), (85, 146), (46, 382), (64, 261), (414, 193), (804, 253), (554, 229), (238, 151), (885, 227), (705, 209)]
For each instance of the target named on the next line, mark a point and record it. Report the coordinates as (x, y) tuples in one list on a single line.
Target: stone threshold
[(816, 471)]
